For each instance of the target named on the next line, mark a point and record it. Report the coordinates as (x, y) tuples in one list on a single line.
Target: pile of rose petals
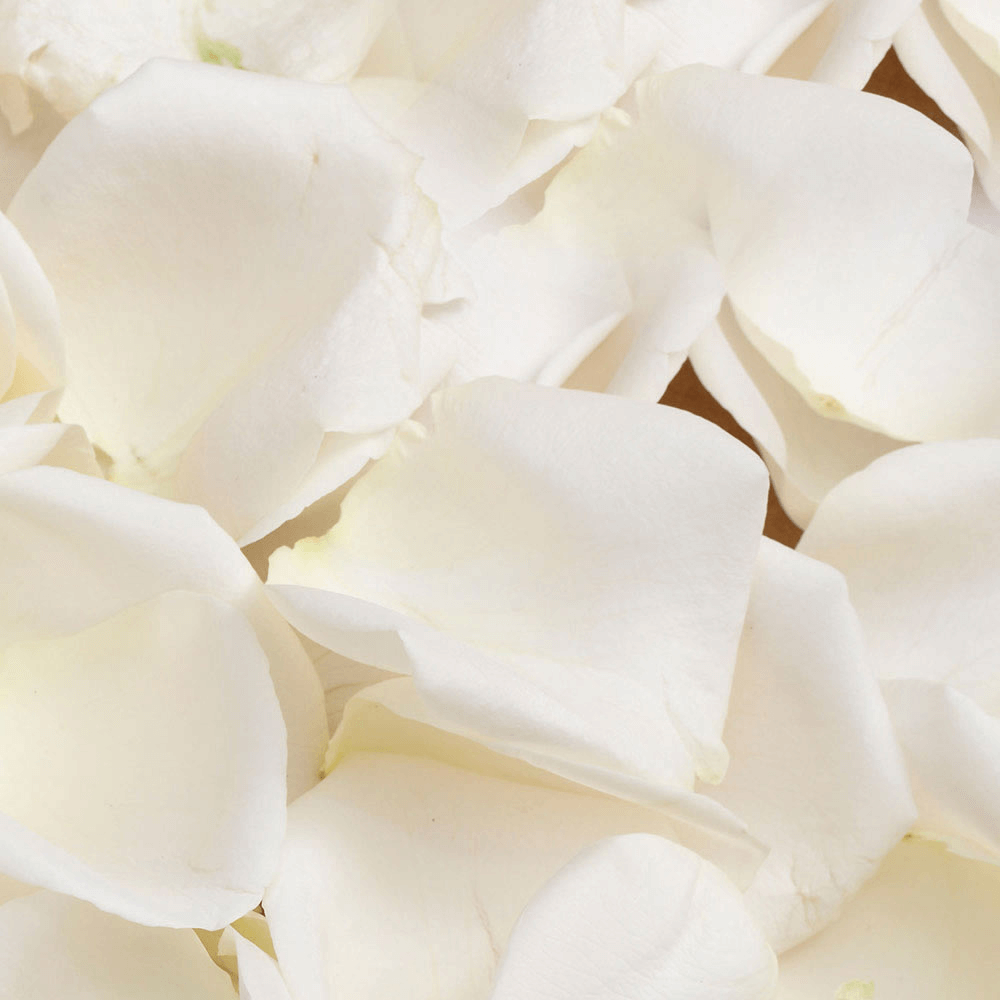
[(368, 631)]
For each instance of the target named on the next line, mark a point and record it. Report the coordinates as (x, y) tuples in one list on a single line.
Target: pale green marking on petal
[(219, 53), (856, 989)]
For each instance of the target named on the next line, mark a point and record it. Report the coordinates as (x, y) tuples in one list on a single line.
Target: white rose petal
[(21, 150), (149, 781), (915, 535), (952, 50), (564, 574), (241, 264), (806, 452), (31, 346), (57, 948), (139, 763), (406, 869), (844, 44), (923, 929), (259, 977), (816, 771), (636, 916)]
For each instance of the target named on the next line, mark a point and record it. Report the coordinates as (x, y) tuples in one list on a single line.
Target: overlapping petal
[(923, 929), (636, 916), (57, 948), (915, 536), (815, 771), (407, 868), (563, 573), (794, 231), (218, 355), (950, 47), (183, 828)]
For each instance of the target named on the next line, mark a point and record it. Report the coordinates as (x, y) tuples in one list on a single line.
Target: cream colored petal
[(144, 763), (499, 92), (71, 59), (212, 348), (816, 772), (258, 974), (915, 536), (393, 715), (952, 747), (636, 916), (20, 151), (807, 453), (923, 929), (61, 445), (31, 345), (727, 33), (57, 948), (845, 43), (75, 550), (495, 556), (301, 39), (404, 875), (942, 62)]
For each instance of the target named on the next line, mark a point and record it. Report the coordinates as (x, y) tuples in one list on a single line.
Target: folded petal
[(952, 746), (301, 39), (492, 94), (943, 50), (31, 346), (57, 948), (20, 150), (70, 60), (61, 445), (915, 536), (144, 763), (923, 929), (563, 573), (213, 347), (404, 875), (636, 916), (807, 452), (815, 771), (258, 974), (801, 226), (75, 550), (844, 44)]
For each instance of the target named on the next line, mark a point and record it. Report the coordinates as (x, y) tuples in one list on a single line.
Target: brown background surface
[(687, 393)]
